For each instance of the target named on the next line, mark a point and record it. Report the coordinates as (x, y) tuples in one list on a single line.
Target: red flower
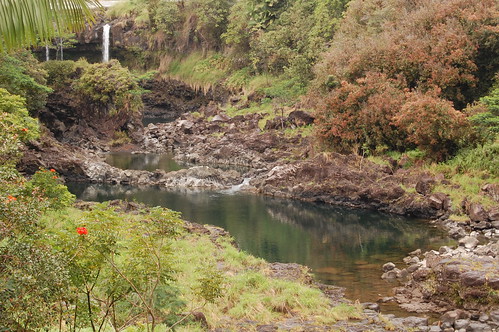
[(82, 230), (11, 198), (25, 129), (52, 170), (54, 177)]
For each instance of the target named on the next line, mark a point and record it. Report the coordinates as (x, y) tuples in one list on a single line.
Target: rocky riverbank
[(461, 284), (274, 159)]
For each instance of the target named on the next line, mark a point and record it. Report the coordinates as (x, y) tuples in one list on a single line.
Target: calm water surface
[(344, 247)]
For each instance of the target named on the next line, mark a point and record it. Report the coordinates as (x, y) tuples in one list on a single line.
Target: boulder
[(478, 327), (494, 215), (425, 185), (492, 190), (468, 242), (477, 213), (472, 278), (439, 201), (461, 324), (301, 118), (388, 267)]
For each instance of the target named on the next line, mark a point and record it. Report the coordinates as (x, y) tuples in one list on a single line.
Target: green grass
[(242, 284), (304, 131), (248, 292), (198, 71), (465, 186)]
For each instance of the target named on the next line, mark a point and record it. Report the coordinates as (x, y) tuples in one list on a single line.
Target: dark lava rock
[(301, 118), (477, 213), (473, 278), (440, 201), (425, 185)]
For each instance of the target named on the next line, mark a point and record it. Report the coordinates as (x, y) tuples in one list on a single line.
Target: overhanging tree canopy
[(23, 22)]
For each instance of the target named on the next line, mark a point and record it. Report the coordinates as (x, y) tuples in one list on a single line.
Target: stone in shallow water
[(388, 267), (468, 242)]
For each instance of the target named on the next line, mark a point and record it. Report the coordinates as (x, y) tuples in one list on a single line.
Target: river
[(343, 247)]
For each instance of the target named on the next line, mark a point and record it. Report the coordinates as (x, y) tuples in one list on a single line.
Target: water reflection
[(344, 247), (147, 161)]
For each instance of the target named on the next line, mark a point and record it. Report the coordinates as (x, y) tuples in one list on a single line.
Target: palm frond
[(22, 22)]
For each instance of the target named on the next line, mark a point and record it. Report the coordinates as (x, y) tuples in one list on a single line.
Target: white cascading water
[(47, 53), (105, 42)]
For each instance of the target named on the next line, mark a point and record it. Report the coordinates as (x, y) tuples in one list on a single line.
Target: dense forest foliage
[(381, 75)]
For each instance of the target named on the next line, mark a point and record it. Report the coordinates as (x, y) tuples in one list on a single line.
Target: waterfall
[(105, 42), (47, 53)]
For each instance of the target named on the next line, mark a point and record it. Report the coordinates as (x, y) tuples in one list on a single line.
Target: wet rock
[(387, 299), (371, 306), (416, 252), (392, 274), (402, 274), (468, 242), (456, 232), (411, 260), (388, 267), (451, 316)]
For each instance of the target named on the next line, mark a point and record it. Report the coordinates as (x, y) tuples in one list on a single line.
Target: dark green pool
[(344, 247)]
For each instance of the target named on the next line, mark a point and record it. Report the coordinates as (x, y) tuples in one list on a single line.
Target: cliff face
[(123, 34)]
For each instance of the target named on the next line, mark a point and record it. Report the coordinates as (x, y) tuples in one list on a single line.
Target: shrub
[(16, 126), (360, 115), (480, 158), (108, 89), (46, 183), (60, 73), (432, 124), (21, 74), (448, 44), (486, 117)]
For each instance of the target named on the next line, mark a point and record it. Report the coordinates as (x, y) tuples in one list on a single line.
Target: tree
[(23, 21)]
